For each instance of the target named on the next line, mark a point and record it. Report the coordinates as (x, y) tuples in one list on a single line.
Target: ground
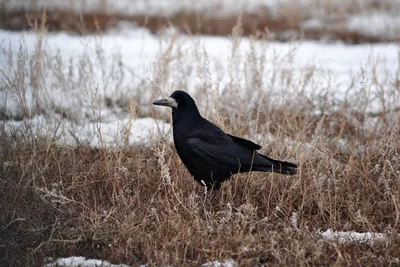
[(88, 167)]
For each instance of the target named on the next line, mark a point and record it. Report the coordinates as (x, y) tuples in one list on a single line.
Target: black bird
[(209, 154)]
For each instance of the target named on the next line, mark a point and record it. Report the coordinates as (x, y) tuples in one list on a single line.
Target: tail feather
[(277, 166)]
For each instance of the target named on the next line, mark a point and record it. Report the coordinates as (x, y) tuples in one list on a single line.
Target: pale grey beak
[(169, 102)]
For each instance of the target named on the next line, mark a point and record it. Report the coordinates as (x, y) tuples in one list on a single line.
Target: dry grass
[(139, 205)]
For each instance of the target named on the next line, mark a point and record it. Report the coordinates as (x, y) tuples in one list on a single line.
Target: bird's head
[(180, 102)]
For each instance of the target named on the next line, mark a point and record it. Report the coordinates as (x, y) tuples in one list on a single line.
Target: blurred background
[(354, 21)]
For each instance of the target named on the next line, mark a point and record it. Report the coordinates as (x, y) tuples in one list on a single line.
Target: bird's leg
[(252, 160), (205, 187)]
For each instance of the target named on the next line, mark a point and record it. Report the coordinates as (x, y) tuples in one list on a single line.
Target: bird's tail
[(277, 166)]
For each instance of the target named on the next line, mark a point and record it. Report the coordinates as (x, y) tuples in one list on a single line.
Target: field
[(88, 166)]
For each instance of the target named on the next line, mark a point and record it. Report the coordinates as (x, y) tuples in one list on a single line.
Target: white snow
[(225, 263), (130, 65), (80, 262), (375, 24), (75, 261), (353, 237), (122, 132)]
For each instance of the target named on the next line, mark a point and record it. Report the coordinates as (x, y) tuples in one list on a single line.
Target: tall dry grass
[(136, 204)]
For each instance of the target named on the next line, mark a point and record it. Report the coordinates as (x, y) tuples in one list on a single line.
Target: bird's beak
[(169, 102)]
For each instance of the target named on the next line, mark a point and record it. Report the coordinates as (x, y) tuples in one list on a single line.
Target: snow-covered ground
[(225, 263), (86, 84), (353, 237), (79, 262), (84, 262)]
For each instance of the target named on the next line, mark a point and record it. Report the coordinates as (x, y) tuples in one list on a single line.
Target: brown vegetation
[(117, 204), (138, 205), (281, 28)]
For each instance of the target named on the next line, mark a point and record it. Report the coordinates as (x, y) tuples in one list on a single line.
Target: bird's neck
[(186, 118)]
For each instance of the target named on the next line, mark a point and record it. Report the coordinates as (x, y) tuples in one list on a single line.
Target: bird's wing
[(244, 142), (218, 152), (215, 147)]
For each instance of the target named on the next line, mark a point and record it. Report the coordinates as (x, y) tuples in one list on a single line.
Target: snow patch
[(80, 262), (353, 237), (143, 131), (225, 263), (375, 24)]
